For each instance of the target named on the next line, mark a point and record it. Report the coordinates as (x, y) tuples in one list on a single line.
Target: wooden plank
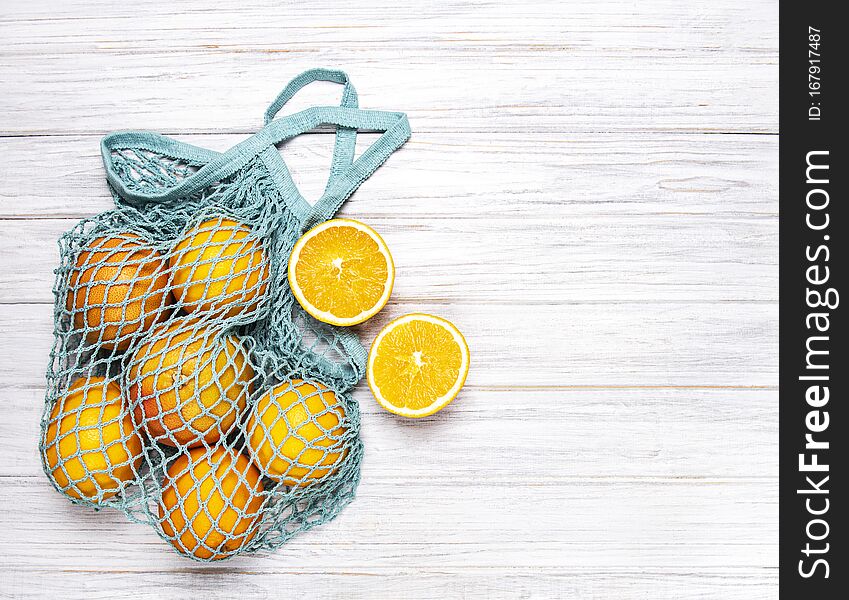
[(458, 176), (535, 345), (509, 261), (466, 66), (678, 524), (527, 436), (555, 227), (409, 582)]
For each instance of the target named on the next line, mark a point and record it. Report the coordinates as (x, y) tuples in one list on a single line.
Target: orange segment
[(341, 272), (417, 365)]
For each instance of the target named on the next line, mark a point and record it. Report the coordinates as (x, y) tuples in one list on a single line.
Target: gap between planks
[(553, 387), (448, 301), (671, 571), (633, 133), (388, 216), (549, 482)]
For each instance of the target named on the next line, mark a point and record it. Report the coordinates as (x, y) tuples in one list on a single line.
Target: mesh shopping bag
[(186, 387)]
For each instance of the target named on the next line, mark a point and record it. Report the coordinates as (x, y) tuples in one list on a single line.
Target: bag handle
[(346, 138), (394, 126), (349, 93), (396, 131)]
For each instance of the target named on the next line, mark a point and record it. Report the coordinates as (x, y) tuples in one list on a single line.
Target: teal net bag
[(186, 386)]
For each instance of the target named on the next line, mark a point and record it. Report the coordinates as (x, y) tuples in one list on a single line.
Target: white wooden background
[(590, 194)]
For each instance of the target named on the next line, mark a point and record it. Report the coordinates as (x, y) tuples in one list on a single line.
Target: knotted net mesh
[(186, 387)]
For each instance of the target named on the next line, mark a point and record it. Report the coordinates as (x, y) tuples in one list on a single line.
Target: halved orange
[(417, 365), (341, 272)]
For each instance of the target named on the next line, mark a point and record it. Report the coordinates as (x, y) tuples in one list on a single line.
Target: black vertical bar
[(813, 363)]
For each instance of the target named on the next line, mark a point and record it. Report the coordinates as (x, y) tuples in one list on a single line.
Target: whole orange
[(295, 431), (188, 382), (210, 501), (118, 289), (91, 448), (219, 268)]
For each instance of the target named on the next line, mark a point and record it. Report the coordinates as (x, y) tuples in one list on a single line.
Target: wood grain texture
[(541, 436), (534, 260), (728, 583), (590, 194), (558, 221), (524, 346), (468, 65), (477, 176), (646, 525)]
